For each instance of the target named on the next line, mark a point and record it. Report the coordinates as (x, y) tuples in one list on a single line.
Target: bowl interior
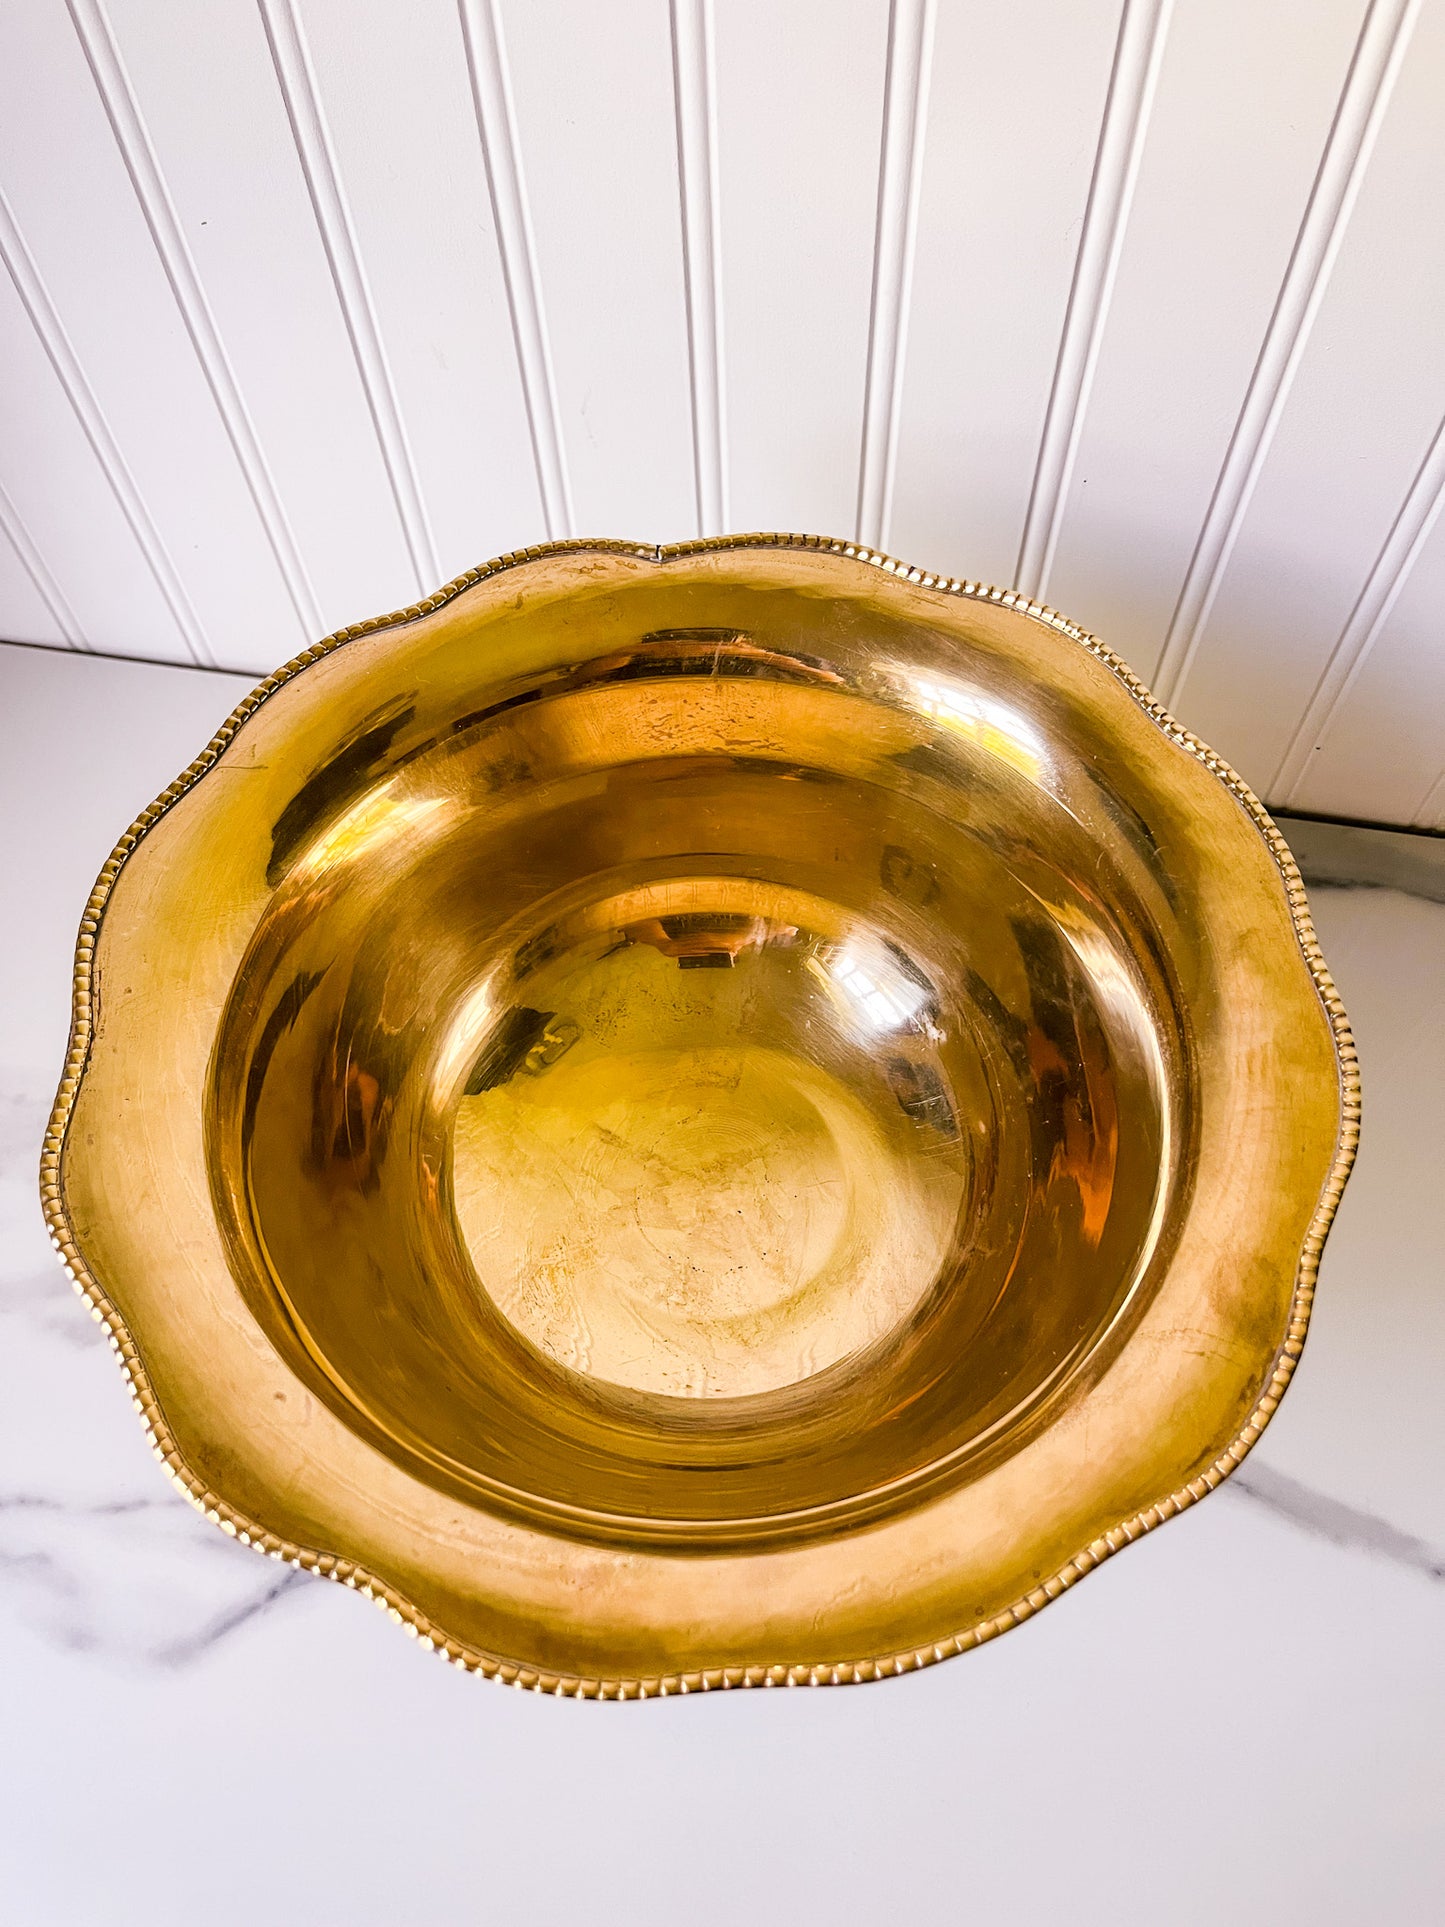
[(722, 1085)]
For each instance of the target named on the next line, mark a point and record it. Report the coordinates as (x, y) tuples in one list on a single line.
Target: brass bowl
[(702, 1116)]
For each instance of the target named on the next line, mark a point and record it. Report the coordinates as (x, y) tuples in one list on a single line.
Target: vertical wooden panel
[(1383, 750), (206, 84), (800, 105), (26, 611), (1361, 413), (164, 443), (900, 174), (395, 88), (694, 76), (593, 94), (1017, 95), (1244, 103), (60, 493), (318, 303)]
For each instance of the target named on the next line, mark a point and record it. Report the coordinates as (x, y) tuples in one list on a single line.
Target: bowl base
[(654, 1198)]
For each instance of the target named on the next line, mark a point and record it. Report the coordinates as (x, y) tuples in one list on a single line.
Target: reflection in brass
[(702, 1117)]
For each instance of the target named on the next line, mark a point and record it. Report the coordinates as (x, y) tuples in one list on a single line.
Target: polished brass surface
[(701, 1116)]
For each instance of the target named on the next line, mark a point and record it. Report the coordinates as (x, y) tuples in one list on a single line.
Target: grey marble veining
[(98, 1552), (128, 1579), (1332, 1520)]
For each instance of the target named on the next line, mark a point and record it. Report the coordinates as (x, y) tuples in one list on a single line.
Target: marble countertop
[(1241, 1717)]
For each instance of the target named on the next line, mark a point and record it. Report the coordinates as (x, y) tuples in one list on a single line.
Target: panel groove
[(296, 78), (1139, 52), (1379, 52), (900, 172), (497, 129), (1138, 298), (1431, 813), (97, 39), (44, 318), (35, 566), (694, 91), (1408, 534)]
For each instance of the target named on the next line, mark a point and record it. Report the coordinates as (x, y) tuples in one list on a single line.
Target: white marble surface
[(1243, 1717)]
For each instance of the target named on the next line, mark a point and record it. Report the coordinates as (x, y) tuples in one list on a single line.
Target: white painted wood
[(487, 69), (694, 82), (1245, 100), (1339, 703), (1431, 813), (399, 103), (61, 495), (1363, 104), (607, 227), (900, 173), (111, 326), (1381, 754), (800, 124), (29, 586), (296, 77), (206, 83), (1006, 175), (133, 139), (18, 587), (306, 307), (1143, 32), (54, 337), (1364, 406)]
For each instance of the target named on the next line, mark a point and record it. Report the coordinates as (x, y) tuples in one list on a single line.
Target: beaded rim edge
[(397, 1607)]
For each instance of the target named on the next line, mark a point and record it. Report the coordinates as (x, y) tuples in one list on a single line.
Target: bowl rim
[(390, 1599)]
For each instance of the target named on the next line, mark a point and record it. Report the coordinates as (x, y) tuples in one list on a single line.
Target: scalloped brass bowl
[(715, 1115)]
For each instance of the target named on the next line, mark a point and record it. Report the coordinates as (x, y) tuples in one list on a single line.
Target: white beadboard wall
[(1139, 307)]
